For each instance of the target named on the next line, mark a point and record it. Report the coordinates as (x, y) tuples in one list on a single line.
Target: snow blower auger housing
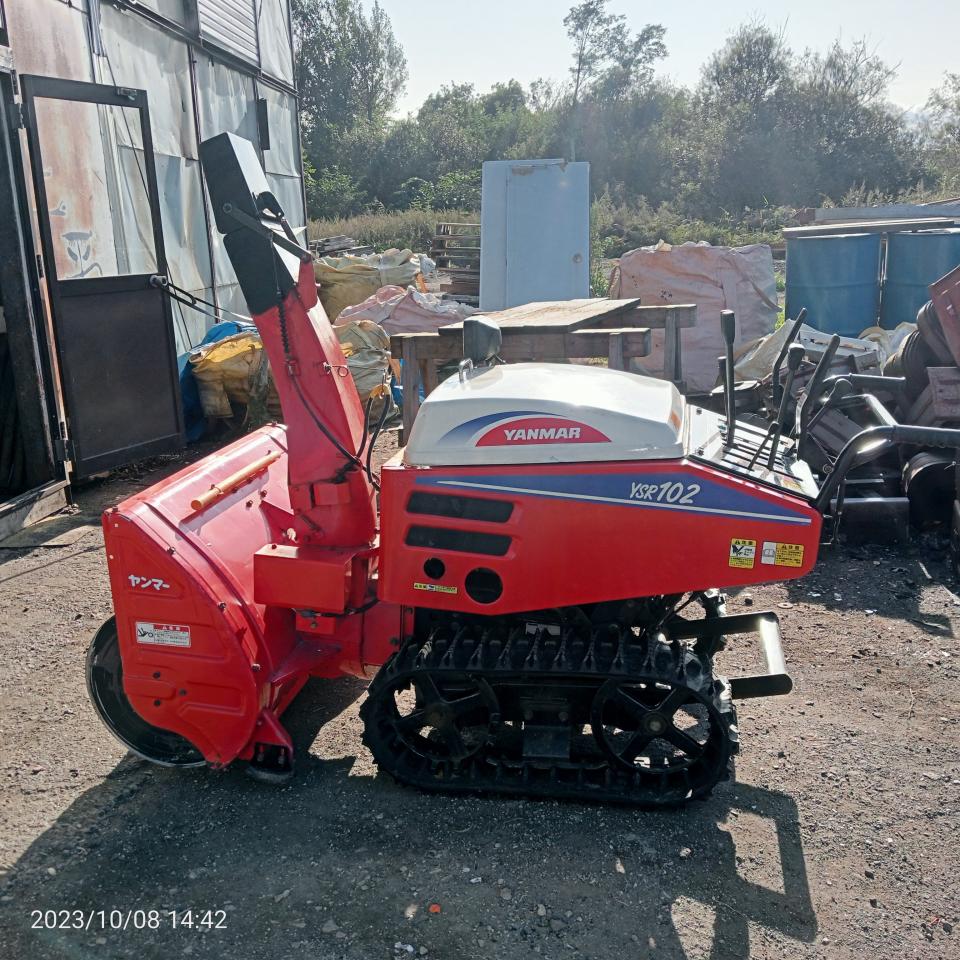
[(524, 599)]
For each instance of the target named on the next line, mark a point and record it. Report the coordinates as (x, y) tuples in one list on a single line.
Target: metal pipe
[(770, 645), (229, 484), (776, 681), (842, 397), (868, 381)]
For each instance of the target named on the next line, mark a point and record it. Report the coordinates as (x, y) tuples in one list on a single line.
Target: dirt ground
[(837, 839)]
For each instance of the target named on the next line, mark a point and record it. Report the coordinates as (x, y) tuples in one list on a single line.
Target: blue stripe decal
[(682, 492), (466, 430)]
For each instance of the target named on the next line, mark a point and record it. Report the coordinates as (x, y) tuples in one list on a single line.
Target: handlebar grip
[(872, 442), (795, 356), (728, 325), (815, 385)]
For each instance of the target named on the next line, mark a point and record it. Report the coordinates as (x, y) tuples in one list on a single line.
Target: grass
[(615, 228), (412, 229)]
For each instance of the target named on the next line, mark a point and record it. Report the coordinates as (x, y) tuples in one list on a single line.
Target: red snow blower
[(538, 601)]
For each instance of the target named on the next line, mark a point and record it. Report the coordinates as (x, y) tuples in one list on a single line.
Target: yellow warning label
[(435, 588), (782, 554), (743, 553)]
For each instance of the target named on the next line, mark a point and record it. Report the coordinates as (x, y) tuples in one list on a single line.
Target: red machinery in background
[(523, 599)]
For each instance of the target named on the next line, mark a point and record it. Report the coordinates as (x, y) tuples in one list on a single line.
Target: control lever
[(728, 327), (781, 356), (840, 390), (775, 429), (794, 359), (805, 409)]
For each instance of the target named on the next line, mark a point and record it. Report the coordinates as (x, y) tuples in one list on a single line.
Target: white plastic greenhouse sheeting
[(133, 52), (137, 54)]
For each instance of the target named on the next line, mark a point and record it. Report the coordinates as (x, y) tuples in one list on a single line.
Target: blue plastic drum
[(837, 279), (914, 261)]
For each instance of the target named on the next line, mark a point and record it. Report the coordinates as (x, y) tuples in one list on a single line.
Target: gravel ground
[(837, 839)]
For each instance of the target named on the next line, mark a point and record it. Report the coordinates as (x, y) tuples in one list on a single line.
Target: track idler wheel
[(437, 719), (105, 688), (667, 734)]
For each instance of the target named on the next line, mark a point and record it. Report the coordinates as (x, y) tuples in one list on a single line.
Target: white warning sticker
[(163, 634), (782, 554)]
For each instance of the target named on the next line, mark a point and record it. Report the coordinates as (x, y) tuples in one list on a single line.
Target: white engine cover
[(547, 413)]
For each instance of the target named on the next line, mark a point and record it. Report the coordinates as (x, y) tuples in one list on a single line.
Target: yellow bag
[(227, 372), (348, 280), (367, 349)]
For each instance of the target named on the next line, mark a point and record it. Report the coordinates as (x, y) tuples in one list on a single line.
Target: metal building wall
[(201, 80)]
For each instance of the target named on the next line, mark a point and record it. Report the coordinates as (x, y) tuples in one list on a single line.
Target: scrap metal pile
[(852, 388)]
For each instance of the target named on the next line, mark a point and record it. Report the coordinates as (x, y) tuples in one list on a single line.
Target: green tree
[(748, 70), (943, 106), (349, 65), (847, 126), (943, 134), (607, 59), (765, 128), (770, 128), (734, 155), (350, 73)]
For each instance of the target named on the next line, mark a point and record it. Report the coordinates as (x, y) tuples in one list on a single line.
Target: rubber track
[(546, 663)]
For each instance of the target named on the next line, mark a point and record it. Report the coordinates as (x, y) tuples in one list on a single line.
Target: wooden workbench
[(617, 330)]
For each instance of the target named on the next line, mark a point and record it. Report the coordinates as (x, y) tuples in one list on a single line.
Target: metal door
[(96, 190), (535, 225)]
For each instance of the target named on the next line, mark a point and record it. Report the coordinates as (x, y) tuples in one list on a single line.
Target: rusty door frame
[(52, 88)]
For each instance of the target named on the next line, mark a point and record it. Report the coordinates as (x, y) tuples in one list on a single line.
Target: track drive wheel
[(668, 734), (105, 688)]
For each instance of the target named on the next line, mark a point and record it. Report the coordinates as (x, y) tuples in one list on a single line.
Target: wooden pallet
[(456, 251)]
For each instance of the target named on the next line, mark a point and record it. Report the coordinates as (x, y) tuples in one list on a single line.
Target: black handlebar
[(870, 443), (794, 359), (728, 327)]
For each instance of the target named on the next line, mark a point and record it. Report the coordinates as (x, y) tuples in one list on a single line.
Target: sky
[(486, 41)]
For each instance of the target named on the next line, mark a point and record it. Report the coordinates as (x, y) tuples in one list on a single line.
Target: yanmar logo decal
[(540, 430)]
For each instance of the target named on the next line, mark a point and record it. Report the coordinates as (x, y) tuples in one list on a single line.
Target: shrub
[(414, 229)]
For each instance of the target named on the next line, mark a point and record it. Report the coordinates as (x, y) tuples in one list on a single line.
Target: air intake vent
[(460, 508), (463, 541)]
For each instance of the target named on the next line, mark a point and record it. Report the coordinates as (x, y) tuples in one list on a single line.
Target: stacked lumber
[(334, 246)]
